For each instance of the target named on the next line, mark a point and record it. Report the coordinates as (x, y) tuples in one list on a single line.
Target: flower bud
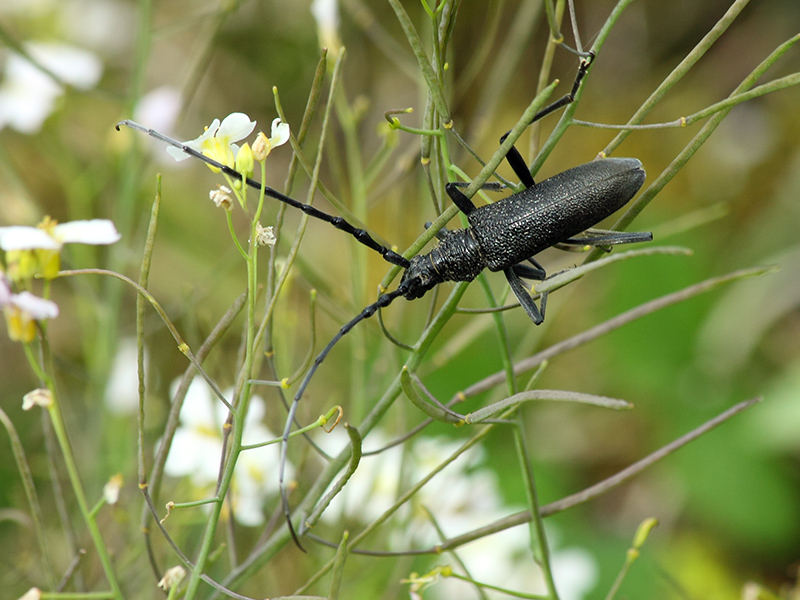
[(245, 161)]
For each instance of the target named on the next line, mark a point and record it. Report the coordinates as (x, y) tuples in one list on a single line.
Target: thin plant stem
[(54, 410)]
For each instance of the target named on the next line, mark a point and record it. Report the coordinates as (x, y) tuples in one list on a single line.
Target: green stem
[(33, 499), (54, 411), (243, 388), (539, 546)]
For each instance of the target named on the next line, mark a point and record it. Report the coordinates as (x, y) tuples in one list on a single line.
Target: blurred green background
[(728, 505)]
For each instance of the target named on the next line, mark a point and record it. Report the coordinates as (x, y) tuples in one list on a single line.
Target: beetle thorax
[(456, 258)]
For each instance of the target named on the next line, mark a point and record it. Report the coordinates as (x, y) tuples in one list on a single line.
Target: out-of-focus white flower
[(172, 578), (373, 488), (326, 14), (197, 447), (37, 308), (122, 391), (575, 572), (47, 237), (102, 25), (32, 251), (38, 397), (218, 141), (112, 488), (23, 310), (464, 496), (32, 594), (28, 96), (159, 108)]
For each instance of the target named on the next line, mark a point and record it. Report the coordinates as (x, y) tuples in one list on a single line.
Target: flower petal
[(95, 232), (196, 144), (75, 66), (326, 14), (280, 132), (28, 96), (177, 153), (37, 308), (159, 108), (19, 237), (235, 127), (37, 397), (208, 132)]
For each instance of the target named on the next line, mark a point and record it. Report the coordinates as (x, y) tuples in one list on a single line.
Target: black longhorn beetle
[(503, 236)]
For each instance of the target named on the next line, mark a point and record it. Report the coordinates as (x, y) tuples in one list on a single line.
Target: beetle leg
[(604, 237), (524, 296), (464, 204), (514, 157), (536, 273), (492, 186), (518, 164), (441, 234)]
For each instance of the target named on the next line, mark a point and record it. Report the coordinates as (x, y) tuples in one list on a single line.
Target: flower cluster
[(32, 252), (219, 142)]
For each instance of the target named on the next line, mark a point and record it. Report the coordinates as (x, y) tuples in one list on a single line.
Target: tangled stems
[(45, 372)]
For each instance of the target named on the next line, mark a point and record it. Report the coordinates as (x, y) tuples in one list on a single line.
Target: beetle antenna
[(383, 301), (362, 235)]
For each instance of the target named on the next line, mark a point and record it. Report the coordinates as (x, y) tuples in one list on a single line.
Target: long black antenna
[(383, 301), (359, 234)]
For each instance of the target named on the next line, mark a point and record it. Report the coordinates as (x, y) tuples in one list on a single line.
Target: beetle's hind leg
[(515, 274), (603, 238), (514, 157)]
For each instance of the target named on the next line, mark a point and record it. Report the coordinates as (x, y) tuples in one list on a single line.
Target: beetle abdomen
[(518, 227)]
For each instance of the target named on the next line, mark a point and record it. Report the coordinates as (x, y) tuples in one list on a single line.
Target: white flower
[(373, 488), (37, 308), (197, 447), (218, 140), (221, 197), (159, 108), (264, 145), (38, 397), (464, 496), (95, 231), (326, 14), (36, 251), (575, 572), (122, 390), (23, 310), (112, 488), (265, 236), (28, 96), (32, 594), (172, 578)]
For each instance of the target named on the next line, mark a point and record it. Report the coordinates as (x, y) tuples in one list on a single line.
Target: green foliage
[(682, 338)]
